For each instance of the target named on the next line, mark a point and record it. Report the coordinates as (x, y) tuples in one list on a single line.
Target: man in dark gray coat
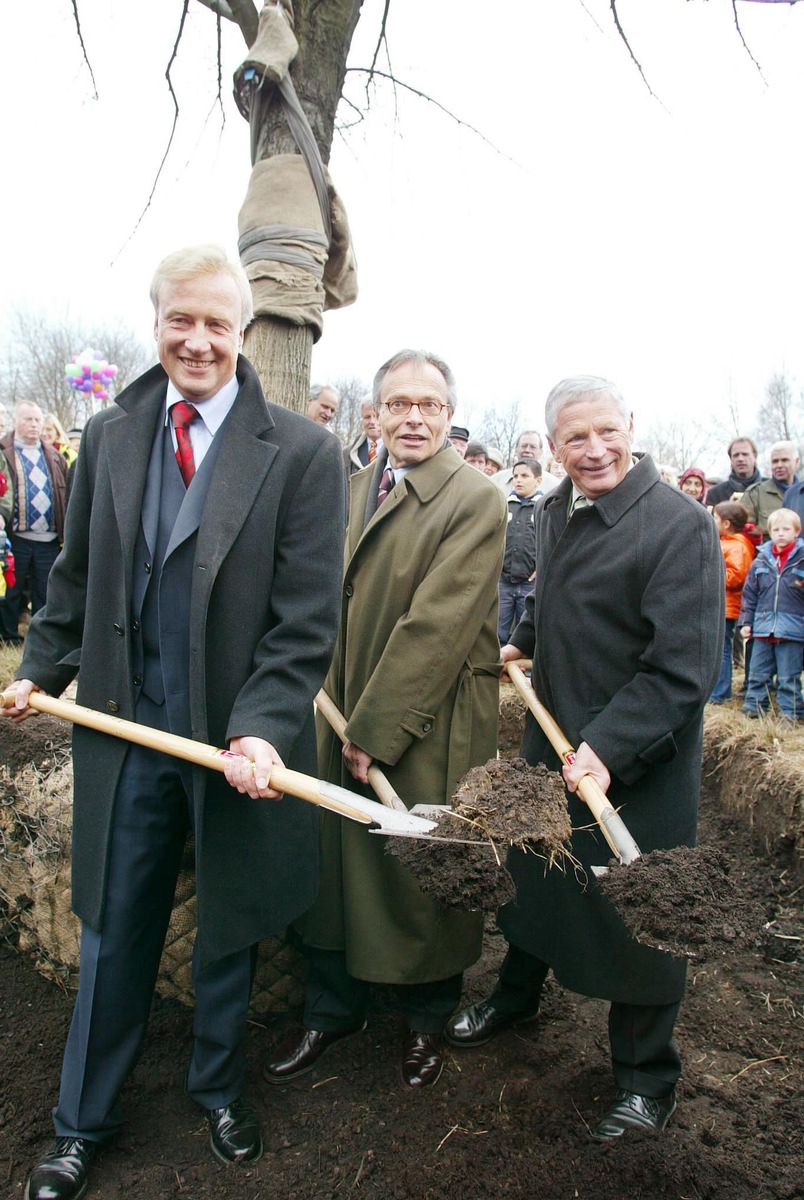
[(625, 630), (198, 593)]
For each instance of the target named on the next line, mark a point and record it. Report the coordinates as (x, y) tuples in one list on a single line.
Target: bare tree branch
[(174, 98), (627, 44), (380, 41), (744, 42), (242, 13), (246, 16), (83, 47), (220, 7), (424, 96)]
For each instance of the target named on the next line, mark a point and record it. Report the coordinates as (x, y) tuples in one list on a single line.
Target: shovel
[(611, 824), (382, 786), (316, 791)]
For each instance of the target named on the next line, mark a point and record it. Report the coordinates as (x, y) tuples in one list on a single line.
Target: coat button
[(138, 681), (135, 625), (349, 590), (118, 629), (147, 568), (112, 707), (427, 726)]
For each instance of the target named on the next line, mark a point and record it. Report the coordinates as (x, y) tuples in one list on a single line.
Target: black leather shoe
[(630, 1111), (234, 1132), (481, 1022), (422, 1060), (305, 1054), (63, 1172)]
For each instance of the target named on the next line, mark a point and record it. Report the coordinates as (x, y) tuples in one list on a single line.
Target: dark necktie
[(386, 483), (183, 415)]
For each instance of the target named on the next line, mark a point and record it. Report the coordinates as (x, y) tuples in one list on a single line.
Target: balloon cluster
[(90, 372)]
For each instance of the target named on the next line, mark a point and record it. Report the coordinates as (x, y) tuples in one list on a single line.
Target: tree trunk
[(280, 351)]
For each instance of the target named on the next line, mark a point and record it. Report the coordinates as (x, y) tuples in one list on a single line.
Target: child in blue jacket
[(772, 613)]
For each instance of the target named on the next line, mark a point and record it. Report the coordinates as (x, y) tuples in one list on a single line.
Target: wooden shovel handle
[(611, 823), (382, 787), (281, 778)]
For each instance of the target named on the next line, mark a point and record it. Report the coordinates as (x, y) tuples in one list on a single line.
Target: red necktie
[(183, 415), (386, 483), (372, 450)]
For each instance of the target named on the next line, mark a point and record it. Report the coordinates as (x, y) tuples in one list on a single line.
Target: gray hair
[(580, 387), (20, 404), (317, 388), (206, 259), (420, 358), (524, 432), (783, 445)]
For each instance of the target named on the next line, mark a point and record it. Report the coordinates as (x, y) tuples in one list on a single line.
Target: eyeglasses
[(427, 408)]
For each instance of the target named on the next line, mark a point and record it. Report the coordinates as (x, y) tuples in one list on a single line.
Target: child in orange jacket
[(738, 551)]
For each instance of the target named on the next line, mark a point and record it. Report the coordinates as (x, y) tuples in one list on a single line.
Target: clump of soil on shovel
[(683, 901), (504, 803)]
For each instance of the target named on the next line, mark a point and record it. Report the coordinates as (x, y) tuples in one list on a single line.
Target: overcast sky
[(599, 229)]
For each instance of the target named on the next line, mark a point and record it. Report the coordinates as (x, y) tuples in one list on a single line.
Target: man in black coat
[(198, 592), (625, 629), (743, 474)]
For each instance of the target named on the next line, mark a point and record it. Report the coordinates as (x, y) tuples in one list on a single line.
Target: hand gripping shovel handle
[(379, 782), (283, 779), (611, 824)]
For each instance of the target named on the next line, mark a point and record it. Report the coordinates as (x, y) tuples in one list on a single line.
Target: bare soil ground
[(510, 1119)]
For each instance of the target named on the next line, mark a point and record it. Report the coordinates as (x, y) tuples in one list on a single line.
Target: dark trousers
[(335, 1001), (643, 1055), (119, 963), (32, 565)]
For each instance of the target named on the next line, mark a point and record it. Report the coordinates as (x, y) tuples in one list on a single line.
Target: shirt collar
[(213, 412)]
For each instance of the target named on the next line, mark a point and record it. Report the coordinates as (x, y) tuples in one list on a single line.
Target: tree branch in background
[(744, 42), (246, 16), (83, 47), (380, 40), (174, 98), (627, 44), (430, 100)]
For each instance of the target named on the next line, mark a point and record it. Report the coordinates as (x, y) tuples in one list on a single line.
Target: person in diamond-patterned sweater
[(37, 477)]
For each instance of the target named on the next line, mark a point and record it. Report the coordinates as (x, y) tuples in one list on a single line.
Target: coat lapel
[(244, 459), (130, 438)]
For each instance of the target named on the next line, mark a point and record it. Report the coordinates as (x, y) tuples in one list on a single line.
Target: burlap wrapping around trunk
[(295, 273), (35, 840)]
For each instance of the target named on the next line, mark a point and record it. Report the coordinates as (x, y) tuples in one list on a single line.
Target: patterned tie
[(386, 483), (372, 450), (183, 415)]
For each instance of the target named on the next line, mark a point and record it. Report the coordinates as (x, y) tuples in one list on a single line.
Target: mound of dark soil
[(508, 1121), (684, 901), (40, 740), (504, 803)]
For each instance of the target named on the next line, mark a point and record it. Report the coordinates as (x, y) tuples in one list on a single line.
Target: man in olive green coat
[(416, 674)]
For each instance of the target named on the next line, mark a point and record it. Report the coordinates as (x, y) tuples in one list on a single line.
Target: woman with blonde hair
[(54, 434)]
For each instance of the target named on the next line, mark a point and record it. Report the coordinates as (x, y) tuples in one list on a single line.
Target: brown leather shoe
[(304, 1054), (422, 1059)]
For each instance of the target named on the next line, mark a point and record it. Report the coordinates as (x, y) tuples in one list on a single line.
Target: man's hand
[(253, 780), (509, 653), (746, 632), (586, 763), (357, 761), (21, 689)]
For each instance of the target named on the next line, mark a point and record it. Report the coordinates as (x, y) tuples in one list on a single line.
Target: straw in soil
[(503, 803)]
